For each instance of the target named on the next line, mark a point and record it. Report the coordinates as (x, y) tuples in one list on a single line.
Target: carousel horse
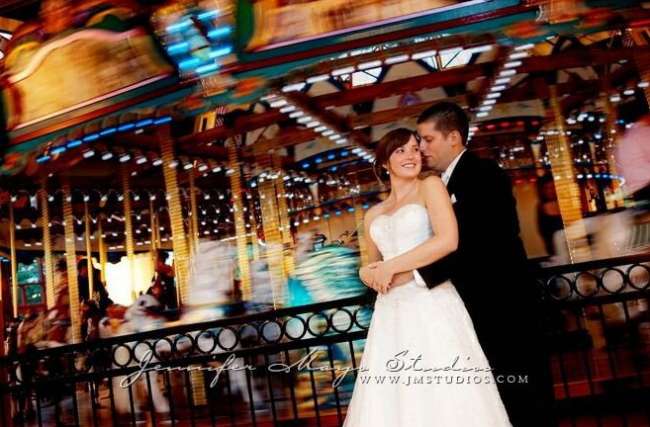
[(142, 315)]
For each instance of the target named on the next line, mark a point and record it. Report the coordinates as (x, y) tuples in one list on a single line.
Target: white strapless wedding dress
[(422, 365)]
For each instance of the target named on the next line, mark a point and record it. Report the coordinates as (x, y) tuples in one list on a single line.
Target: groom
[(490, 267)]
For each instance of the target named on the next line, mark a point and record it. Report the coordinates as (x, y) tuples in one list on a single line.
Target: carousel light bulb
[(424, 54), (287, 109), (107, 155), (188, 166), (140, 160), (295, 114), (318, 78), (506, 73), (173, 164), (312, 124), (304, 119), (157, 162), (518, 55), (525, 47), (281, 102), (396, 59), (643, 84), (341, 71), (216, 169), (482, 114), (125, 158), (370, 64), (512, 64), (628, 92), (502, 81), (498, 88)]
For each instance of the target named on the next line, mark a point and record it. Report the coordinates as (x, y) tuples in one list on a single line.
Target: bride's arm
[(443, 242), (373, 253)]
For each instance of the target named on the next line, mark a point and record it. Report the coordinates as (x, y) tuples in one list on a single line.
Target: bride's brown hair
[(386, 147)]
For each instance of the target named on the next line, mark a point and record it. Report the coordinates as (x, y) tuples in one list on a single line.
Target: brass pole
[(179, 242), (194, 217), (240, 224), (12, 249), (272, 237), (568, 191), (71, 262), (89, 254), (48, 267), (283, 215), (101, 247), (128, 227)]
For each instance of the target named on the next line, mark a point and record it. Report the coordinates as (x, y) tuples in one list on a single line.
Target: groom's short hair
[(447, 117)]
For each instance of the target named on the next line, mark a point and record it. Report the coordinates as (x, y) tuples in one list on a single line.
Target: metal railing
[(287, 367)]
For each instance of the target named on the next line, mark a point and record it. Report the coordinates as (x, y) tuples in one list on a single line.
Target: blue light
[(365, 206), (58, 150), (333, 168), (162, 120), (180, 26), (43, 159), (319, 160), (350, 209), (177, 48), (143, 123), (326, 215), (330, 156), (305, 165), (220, 52), (209, 14), (189, 63), (207, 68), (108, 131), (597, 175), (344, 153), (91, 137), (126, 126), (74, 143), (219, 32), (337, 212)]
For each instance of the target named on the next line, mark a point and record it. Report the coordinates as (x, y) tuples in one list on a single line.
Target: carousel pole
[(14, 261), (272, 236), (240, 223), (101, 248), (89, 253), (283, 214), (128, 226), (194, 217), (71, 263), (179, 242), (154, 227), (47, 247), (568, 192), (358, 221)]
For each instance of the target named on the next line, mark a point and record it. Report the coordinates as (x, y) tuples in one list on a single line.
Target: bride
[(422, 364)]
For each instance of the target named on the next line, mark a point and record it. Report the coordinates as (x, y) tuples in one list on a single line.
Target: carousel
[(183, 184)]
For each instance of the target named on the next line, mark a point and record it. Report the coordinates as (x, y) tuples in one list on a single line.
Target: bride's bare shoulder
[(374, 211)]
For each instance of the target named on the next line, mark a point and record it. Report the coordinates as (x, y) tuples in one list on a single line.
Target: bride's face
[(406, 161)]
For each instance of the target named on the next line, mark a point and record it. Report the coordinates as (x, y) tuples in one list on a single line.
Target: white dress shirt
[(446, 175)]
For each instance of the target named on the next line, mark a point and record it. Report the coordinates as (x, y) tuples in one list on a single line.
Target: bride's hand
[(382, 277)]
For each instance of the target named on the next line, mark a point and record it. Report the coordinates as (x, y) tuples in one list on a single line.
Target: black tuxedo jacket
[(490, 267)]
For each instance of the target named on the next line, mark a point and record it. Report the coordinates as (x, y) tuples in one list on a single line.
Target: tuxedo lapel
[(458, 174)]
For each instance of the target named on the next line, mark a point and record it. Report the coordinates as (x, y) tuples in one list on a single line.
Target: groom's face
[(438, 149)]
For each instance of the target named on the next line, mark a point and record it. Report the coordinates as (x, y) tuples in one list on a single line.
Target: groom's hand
[(366, 275)]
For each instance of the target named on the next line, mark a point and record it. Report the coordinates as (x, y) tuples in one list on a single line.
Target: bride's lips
[(408, 165)]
